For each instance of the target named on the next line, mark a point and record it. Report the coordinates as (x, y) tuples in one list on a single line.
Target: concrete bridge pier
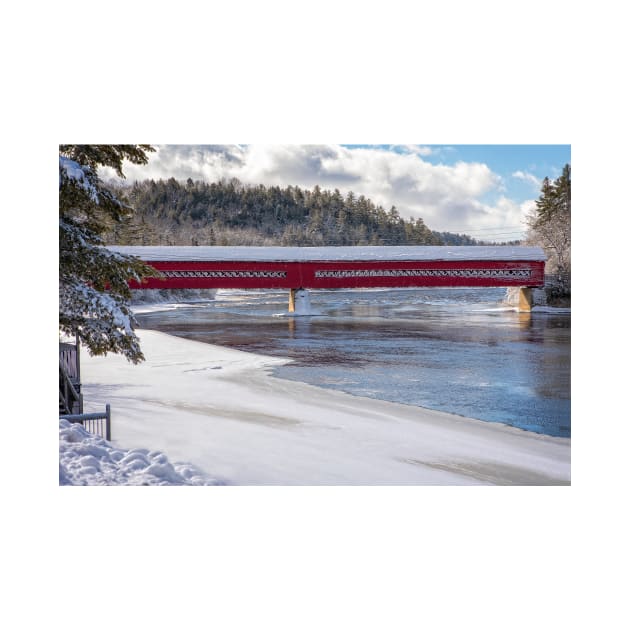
[(525, 299), (299, 302)]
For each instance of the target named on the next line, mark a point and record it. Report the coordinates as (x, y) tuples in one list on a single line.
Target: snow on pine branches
[(93, 282)]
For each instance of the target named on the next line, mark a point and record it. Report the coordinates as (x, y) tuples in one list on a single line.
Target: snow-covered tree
[(550, 222), (93, 282)]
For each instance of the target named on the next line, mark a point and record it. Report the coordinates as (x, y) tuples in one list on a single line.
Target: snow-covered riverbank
[(87, 459), (219, 410)]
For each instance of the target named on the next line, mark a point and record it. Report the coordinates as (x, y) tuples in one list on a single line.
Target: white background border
[(350, 72)]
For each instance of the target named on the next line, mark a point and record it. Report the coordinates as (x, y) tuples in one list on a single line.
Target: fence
[(70, 397), (69, 359), (93, 422)]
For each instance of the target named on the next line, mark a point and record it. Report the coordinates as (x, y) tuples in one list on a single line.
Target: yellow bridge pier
[(525, 299), (292, 300)]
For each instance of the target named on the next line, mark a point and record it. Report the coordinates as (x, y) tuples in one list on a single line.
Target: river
[(456, 350)]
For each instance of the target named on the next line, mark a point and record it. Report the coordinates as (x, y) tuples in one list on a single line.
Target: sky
[(482, 190)]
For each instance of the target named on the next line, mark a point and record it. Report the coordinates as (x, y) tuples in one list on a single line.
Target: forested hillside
[(231, 213)]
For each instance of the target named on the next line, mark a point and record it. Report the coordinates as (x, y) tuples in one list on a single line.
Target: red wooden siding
[(343, 274)]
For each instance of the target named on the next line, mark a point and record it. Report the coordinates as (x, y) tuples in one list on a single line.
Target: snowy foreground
[(220, 411), (86, 459)]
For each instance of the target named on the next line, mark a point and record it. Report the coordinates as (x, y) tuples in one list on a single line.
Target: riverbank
[(222, 411)]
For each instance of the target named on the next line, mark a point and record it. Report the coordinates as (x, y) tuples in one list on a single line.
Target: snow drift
[(88, 460)]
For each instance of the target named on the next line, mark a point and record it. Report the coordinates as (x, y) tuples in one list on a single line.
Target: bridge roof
[(316, 254)]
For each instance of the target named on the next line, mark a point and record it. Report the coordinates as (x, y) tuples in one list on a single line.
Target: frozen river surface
[(456, 350)]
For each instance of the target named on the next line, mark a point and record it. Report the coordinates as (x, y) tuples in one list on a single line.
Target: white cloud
[(528, 177), (447, 197), (413, 148), (506, 218)]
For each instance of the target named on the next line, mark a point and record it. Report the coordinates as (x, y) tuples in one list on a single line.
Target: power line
[(465, 230), (500, 233)]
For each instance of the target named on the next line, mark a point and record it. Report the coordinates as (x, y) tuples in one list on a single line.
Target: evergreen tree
[(93, 289), (550, 222), (544, 203)]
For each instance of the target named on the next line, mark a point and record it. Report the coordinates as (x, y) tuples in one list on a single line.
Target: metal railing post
[(108, 423)]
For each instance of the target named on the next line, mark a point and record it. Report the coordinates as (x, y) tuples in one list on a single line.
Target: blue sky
[(537, 160), (482, 190)]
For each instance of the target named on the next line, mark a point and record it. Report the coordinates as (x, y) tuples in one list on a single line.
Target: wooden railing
[(70, 397), (69, 357)]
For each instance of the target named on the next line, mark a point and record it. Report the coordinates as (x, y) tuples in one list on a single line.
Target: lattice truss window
[(501, 274), (225, 274)]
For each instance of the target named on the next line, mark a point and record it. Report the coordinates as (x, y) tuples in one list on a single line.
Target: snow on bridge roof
[(316, 254)]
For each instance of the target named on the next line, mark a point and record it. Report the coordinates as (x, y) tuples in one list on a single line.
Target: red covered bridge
[(296, 268)]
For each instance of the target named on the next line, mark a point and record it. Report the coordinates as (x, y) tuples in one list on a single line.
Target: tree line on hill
[(228, 212)]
